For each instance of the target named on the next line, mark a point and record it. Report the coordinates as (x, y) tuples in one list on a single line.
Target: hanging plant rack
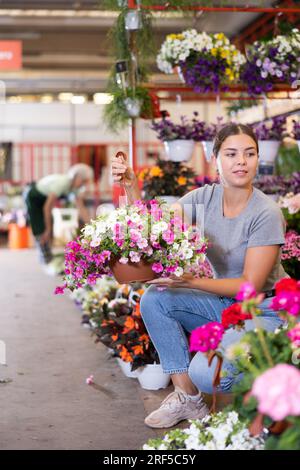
[(250, 9)]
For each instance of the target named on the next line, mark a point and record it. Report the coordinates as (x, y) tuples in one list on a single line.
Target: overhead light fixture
[(102, 98), (14, 99), (65, 96), (78, 99), (47, 99)]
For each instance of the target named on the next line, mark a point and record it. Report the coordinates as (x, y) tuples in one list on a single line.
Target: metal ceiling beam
[(273, 10)]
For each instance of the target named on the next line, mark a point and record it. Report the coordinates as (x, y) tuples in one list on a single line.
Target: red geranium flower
[(234, 315), (286, 285)]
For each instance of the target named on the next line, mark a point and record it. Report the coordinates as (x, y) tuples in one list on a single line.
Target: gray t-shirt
[(260, 223)]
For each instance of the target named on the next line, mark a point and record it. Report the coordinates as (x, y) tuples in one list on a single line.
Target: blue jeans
[(170, 313)]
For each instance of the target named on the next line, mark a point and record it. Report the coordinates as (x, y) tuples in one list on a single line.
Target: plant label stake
[(123, 198)]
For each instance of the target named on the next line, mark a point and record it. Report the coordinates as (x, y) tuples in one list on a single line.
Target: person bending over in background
[(41, 198)]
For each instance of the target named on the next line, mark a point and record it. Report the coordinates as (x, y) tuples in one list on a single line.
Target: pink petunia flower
[(168, 236), (60, 289), (135, 236), (288, 301), (157, 267), (294, 335), (134, 257), (206, 337), (246, 292), (90, 380), (277, 391)]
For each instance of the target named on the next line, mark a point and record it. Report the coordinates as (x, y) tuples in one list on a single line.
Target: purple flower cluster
[(204, 74), (251, 76), (296, 130), (279, 184), (192, 129), (201, 181), (271, 130), (271, 62), (291, 249)]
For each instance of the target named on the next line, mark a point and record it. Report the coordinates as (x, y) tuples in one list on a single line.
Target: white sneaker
[(176, 407), (49, 269)]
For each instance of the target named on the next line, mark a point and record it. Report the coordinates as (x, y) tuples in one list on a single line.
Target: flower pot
[(208, 149), (268, 150), (133, 107), (151, 377), (131, 272), (179, 72), (298, 142), (179, 150), (18, 237), (126, 369), (133, 20)]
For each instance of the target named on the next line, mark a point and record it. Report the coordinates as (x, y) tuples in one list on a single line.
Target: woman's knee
[(150, 301), (201, 374)]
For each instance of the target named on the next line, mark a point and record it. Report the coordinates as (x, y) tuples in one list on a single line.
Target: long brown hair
[(233, 129)]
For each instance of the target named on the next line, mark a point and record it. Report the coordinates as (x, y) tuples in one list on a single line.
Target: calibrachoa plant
[(273, 61), (208, 62), (222, 431), (186, 129), (146, 231), (279, 184), (296, 130), (272, 130), (290, 255)]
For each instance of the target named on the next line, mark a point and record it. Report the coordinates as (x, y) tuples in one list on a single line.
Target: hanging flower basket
[(272, 62), (268, 150), (179, 150), (132, 272), (207, 62), (136, 242), (152, 377)]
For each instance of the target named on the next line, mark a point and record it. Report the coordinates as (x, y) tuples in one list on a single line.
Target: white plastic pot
[(151, 377), (179, 150), (126, 369), (170, 199), (298, 142), (133, 20), (208, 149), (268, 150), (133, 107)]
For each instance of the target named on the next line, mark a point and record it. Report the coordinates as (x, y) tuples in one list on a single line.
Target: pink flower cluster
[(278, 392), (287, 297), (294, 335), (291, 248), (206, 337), (83, 264), (246, 292), (143, 231)]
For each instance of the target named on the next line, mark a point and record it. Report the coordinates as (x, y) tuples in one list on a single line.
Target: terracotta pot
[(132, 272)]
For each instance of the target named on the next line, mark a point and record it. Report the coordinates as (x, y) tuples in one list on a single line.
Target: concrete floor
[(47, 405)]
